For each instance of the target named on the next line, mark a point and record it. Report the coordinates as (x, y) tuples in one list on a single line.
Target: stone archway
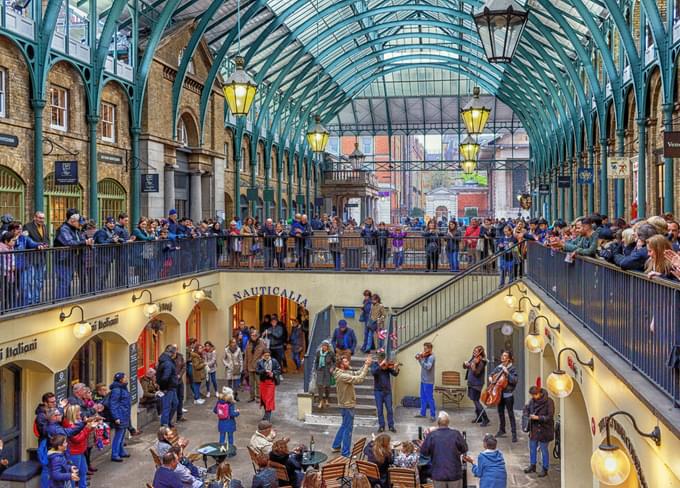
[(577, 440)]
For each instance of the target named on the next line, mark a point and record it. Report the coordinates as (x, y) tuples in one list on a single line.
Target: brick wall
[(479, 199)]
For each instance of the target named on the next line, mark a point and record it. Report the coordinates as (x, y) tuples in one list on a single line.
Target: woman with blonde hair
[(313, 479), (77, 443), (408, 457), (657, 266), (379, 451)]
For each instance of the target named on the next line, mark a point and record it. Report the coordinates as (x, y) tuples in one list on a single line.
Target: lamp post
[(534, 341), (317, 136), (474, 114), (609, 463), (518, 316), (82, 328), (239, 89), (559, 383), (500, 24)]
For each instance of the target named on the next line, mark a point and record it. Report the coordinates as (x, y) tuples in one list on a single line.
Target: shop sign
[(66, 172), (257, 291), (319, 201), (544, 189), (19, 349), (671, 144), (104, 323), (564, 181), (351, 205), (133, 373), (621, 432), (61, 385), (9, 140), (109, 158), (165, 307), (150, 183), (618, 168), (585, 176)]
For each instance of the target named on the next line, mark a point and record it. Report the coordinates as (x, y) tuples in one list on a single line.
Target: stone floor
[(202, 424)]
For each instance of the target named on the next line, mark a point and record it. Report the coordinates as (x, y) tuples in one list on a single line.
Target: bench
[(24, 474), (451, 389)]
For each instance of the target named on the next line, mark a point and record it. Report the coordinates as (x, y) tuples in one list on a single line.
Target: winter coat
[(490, 469), (167, 478), (254, 352), (378, 314), (262, 373), (39, 235), (210, 359), (166, 372), (445, 446), (122, 232), (197, 367), (227, 425), (59, 469), (432, 242), (345, 380), (474, 375), (297, 339), (77, 443), (233, 362), (346, 341), (323, 375), (292, 465), (265, 478), (54, 428), (149, 390), (370, 234), (277, 336), (104, 236), (398, 240), (452, 240), (471, 236), (543, 429), (635, 261), (120, 405)]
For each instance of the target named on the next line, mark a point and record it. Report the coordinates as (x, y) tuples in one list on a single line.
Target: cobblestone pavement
[(202, 424)]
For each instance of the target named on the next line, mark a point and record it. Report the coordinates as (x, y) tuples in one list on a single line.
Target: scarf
[(322, 359), (267, 365)]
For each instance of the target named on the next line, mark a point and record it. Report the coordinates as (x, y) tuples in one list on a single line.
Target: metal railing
[(445, 302), (638, 318), (350, 177), (349, 252), (321, 330), (47, 276)]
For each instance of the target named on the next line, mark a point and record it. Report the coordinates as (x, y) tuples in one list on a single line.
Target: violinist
[(382, 371), (475, 370), (507, 398), (426, 360)]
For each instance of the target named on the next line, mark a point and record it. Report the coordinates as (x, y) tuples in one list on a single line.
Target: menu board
[(132, 378), (61, 385)]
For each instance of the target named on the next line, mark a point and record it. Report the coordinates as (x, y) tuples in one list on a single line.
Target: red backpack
[(223, 411)]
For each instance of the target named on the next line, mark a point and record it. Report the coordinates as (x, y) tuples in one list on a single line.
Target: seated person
[(379, 452), (407, 457), (150, 391), (262, 440), (265, 476), (188, 479), (166, 436), (291, 460), (163, 443), (165, 476)]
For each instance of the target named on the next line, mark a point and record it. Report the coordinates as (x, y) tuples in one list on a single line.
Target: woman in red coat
[(77, 443)]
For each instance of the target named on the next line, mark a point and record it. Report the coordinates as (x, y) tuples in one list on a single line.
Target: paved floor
[(202, 424)]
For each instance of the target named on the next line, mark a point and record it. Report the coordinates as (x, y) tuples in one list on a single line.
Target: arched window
[(12, 191), (112, 199), (58, 199), (182, 134)]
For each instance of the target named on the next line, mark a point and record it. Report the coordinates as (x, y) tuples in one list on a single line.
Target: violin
[(390, 365), (491, 396)]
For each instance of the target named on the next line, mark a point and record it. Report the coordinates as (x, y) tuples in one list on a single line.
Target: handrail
[(320, 331)]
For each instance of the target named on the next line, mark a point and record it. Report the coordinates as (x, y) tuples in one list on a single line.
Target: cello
[(491, 396)]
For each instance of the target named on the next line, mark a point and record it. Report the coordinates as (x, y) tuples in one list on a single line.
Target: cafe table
[(219, 452), (313, 459)]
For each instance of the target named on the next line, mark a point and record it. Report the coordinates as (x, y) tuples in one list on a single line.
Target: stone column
[(196, 210), (169, 187)]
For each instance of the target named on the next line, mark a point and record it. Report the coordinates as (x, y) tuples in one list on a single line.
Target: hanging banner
[(585, 176), (618, 167), (66, 172), (671, 144), (150, 183), (544, 189), (563, 181)]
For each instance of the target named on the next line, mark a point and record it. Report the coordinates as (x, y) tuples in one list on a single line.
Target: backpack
[(223, 411)]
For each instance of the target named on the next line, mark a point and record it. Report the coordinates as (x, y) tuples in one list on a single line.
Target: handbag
[(480, 244), (526, 419)]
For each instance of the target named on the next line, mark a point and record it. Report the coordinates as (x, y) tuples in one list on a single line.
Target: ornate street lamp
[(357, 158), (468, 166), (609, 463), (468, 149), (500, 24), (510, 299), (474, 114), (317, 136), (239, 89), (82, 328), (559, 383), (519, 317), (534, 341)]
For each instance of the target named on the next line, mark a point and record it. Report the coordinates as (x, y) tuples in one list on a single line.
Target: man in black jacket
[(33, 276), (445, 446), (166, 377), (277, 340), (541, 409)]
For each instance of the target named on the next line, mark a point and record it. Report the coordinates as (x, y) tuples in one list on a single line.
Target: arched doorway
[(284, 210), (159, 331), (112, 199), (187, 136), (12, 193), (506, 336), (577, 440), (228, 208), (58, 199)]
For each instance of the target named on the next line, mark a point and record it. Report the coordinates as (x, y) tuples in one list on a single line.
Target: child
[(491, 466), (407, 457), (227, 412), (60, 469)]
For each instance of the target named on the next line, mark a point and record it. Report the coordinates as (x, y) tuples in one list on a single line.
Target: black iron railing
[(321, 330), (638, 318), (47, 276)]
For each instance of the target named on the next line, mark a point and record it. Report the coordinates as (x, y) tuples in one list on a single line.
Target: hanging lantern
[(357, 158), (469, 149), (317, 136), (82, 329), (468, 166), (474, 114), (500, 24), (239, 89), (534, 342), (560, 384)]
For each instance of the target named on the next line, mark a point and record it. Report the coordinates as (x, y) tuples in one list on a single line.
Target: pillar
[(169, 187), (196, 203), (619, 189), (38, 174), (591, 189), (93, 203), (642, 168), (579, 188), (604, 184), (135, 175), (570, 204), (668, 197)]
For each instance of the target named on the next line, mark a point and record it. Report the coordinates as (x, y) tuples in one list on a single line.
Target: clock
[(507, 329)]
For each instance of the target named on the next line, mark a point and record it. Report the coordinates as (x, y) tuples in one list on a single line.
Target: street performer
[(507, 398), (382, 371), (426, 360), (475, 370)]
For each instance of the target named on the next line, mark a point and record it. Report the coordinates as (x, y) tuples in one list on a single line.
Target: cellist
[(507, 398)]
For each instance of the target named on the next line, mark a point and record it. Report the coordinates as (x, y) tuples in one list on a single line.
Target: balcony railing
[(638, 318), (350, 177)]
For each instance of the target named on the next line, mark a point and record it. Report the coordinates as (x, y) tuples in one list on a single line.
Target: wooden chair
[(253, 458), (281, 473), (156, 457), (339, 460), (358, 449), (368, 469), (402, 478), (451, 389), (427, 485), (334, 474), (148, 485)]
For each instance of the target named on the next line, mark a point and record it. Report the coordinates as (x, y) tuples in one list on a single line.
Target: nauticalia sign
[(278, 291), (671, 144)]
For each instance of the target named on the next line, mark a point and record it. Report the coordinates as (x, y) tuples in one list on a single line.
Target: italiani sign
[(671, 144)]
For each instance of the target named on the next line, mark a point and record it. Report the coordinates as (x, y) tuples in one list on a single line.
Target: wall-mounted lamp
[(560, 383), (534, 341), (520, 317), (80, 329), (150, 309), (510, 299), (609, 463), (198, 294)]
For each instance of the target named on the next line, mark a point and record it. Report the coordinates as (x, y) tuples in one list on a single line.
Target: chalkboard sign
[(61, 385), (132, 381)]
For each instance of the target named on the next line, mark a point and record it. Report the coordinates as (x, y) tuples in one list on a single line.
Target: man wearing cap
[(120, 405), (172, 222), (344, 340), (345, 379), (382, 371)]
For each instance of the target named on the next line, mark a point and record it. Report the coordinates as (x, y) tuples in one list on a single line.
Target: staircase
[(364, 393)]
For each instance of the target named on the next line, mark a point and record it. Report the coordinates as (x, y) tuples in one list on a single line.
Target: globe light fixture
[(468, 166), (357, 158), (198, 294), (468, 149), (534, 342), (317, 136), (151, 308), (82, 328), (239, 89), (474, 114), (510, 299), (609, 463), (519, 317), (500, 24), (559, 383)]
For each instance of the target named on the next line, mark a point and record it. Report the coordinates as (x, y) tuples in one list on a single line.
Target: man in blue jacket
[(167, 379), (636, 260), (445, 446), (120, 405), (344, 340)]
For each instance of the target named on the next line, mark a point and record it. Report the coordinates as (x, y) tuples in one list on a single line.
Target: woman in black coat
[(541, 410), (432, 245), (475, 369)]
